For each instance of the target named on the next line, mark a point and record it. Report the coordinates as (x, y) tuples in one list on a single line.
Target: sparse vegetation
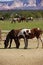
[(7, 25)]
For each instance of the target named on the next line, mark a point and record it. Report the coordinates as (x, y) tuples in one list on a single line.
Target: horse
[(25, 34), (2, 18), (22, 19), (14, 20), (10, 36), (29, 19), (32, 33), (16, 35)]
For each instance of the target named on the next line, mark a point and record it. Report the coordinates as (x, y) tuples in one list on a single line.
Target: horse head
[(6, 41), (5, 44)]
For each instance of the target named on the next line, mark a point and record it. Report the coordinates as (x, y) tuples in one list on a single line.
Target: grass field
[(7, 25)]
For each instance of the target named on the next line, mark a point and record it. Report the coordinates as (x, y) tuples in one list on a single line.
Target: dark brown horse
[(22, 19), (10, 36)]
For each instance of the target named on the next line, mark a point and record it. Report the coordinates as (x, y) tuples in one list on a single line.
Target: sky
[(5, 0), (20, 3)]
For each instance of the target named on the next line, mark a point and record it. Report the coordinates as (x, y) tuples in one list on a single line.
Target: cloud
[(17, 4), (4, 7), (31, 3)]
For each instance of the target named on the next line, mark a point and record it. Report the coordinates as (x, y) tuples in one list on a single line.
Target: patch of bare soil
[(21, 56)]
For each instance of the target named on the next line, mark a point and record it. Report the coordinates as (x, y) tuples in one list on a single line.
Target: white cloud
[(18, 4), (31, 3)]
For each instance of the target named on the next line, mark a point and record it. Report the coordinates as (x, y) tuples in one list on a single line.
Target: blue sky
[(19, 0), (5, 0), (24, 1), (38, 1)]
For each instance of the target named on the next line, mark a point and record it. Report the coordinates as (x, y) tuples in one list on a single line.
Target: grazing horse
[(31, 33), (2, 18), (22, 19), (10, 36), (14, 20), (16, 35), (29, 19), (25, 34)]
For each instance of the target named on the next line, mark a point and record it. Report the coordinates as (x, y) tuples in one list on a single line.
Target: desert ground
[(21, 56)]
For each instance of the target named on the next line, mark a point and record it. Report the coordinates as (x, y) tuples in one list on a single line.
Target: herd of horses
[(21, 19), (26, 34)]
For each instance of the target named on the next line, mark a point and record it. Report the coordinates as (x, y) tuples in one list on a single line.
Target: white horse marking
[(29, 30), (22, 32)]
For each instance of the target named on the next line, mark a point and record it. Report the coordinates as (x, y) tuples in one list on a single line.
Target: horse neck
[(17, 31), (7, 38)]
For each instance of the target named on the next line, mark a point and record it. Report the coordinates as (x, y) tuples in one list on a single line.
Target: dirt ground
[(21, 56)]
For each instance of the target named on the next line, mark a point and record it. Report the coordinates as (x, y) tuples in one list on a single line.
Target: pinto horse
[(23, 33), (16, 35), (31, 33), (2, 18)]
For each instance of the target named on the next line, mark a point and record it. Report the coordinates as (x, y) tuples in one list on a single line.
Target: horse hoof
[(9, 47), (17, 47), (5, 47), (25, 48)]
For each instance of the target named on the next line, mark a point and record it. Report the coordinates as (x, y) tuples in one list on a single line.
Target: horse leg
[(10, 43), (17, 43), (38, 42), (26, 43), (41, 42)]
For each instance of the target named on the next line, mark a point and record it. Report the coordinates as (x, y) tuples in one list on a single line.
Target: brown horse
[(10, 36), (31, 33)]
